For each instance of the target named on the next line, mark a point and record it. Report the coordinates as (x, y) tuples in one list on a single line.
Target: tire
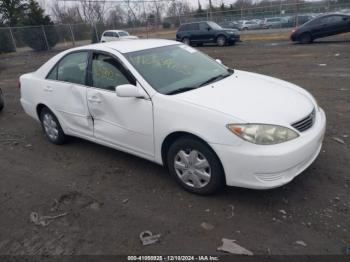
[(188, 157), (305, 38), (221, 40), (186, 41), (2, 102), (51, 127)]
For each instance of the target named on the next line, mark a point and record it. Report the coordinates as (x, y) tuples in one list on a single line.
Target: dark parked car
[(206, 32), (321, 26), (2, 103)]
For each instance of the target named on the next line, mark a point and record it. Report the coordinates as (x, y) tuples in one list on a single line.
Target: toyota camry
[(167, 102)]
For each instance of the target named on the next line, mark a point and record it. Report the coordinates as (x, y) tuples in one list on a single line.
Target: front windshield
[(123, 33), (171, 68), (214, 26)]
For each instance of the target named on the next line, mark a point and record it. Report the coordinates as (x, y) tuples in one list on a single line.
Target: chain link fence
[(282, 10), (63, 36)]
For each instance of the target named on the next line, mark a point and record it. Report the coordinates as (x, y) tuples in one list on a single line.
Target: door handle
[(48, 89), (94, 99)]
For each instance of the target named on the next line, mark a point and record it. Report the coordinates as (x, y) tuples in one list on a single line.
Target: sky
[(46, 4), (194, 3)]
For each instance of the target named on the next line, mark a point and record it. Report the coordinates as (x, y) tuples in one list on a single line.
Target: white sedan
[(171, 104)]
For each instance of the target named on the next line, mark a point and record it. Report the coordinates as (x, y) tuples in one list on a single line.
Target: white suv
[(116, 35)]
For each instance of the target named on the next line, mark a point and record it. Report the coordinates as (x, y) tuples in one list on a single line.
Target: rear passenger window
[(72, 68), (335, 19), (183, 28), (53, 74), (193, 27)]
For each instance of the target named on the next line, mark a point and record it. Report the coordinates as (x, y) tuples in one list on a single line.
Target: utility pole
[(297, 14), (210, 10)]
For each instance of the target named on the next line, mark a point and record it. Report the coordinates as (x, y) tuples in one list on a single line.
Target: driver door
[(206, 33), (124, 122)]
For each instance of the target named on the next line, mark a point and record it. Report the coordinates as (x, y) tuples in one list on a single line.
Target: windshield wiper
[(181, 90), (216, 78), (188, 88)]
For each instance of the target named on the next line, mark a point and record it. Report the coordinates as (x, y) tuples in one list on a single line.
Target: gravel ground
[(110, 197)]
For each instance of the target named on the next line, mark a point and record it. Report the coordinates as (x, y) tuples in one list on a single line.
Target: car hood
[(253, 98)]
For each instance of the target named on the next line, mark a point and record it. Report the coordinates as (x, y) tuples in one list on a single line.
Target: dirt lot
[(111, 197)]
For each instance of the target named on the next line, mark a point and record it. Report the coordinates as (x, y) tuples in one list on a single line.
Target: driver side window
[(107, 73)]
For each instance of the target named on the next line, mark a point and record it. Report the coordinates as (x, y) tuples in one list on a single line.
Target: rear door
[(194, 32), (126, 123), (66, 92), (339, 24), (107, 36)]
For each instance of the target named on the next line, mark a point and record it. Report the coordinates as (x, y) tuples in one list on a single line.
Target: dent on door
[(72, 105), (122, 121)]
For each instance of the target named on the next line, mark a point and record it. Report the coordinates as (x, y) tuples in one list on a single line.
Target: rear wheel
[(52, 127), (221, 40), (195, 166), (305, 38), (186, 41)]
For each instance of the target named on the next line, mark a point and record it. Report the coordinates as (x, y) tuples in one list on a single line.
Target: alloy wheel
[(50, 126)]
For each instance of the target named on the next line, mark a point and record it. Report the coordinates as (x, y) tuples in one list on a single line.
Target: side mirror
[(208, 28), (129, 90), (219, 61)]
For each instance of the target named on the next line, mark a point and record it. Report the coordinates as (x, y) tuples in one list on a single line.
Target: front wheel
[(195, 166), (221, 40), (305, 38), (186, 41), (52, 127)]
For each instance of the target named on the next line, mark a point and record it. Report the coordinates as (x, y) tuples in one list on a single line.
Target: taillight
[(19, 83)]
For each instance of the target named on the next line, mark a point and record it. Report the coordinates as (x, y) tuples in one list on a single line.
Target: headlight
[(231, 32), (263, 134)]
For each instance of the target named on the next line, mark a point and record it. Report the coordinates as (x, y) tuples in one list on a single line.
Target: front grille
[(305, 123)]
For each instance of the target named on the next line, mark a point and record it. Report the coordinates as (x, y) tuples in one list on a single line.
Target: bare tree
[(116, 17), (93, 12), (66, 15), (158, 7)]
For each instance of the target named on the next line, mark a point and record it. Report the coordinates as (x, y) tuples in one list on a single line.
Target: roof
[(116, 31), (132, 45)]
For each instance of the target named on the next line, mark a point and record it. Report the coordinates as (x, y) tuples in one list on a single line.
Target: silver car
[(249, 25)]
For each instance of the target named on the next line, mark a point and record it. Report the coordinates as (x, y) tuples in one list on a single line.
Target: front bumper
[(269, 166), (293, 37), (234, 38)]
